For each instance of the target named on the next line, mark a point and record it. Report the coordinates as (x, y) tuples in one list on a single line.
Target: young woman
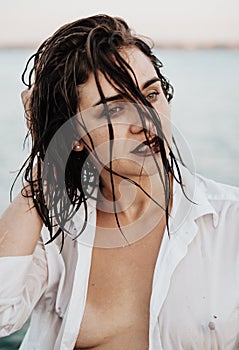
[(113, 243)]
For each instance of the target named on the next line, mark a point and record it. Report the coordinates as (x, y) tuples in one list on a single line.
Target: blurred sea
[(204, 109)]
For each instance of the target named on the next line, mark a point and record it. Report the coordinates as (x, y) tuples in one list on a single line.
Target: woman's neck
[(129, 201)]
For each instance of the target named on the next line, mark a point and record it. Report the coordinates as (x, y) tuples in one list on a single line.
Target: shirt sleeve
[(23, 279)]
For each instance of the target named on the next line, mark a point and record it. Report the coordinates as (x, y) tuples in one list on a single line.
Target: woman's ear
[(78, 146)]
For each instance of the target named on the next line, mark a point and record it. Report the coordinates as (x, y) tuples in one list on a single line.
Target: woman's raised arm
[(20, 227), (20, 224)]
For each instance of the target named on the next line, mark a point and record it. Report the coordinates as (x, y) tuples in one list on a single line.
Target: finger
[(26, 98)]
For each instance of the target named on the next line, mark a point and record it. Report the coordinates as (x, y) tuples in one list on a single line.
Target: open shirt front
[(195, 293)]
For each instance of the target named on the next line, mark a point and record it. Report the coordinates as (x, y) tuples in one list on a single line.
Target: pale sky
[(173, 21)]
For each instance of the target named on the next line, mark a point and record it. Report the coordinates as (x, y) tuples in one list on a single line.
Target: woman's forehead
[(141, 66)]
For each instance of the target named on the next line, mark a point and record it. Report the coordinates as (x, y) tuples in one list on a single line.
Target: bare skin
[(20, 228), (117, 307), (20, 224), (120, 284)]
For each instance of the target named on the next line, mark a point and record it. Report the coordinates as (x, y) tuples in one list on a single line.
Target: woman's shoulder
[(218, 191), (224, 199)]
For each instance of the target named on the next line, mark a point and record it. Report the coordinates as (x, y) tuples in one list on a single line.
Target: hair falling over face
[(62, 63)]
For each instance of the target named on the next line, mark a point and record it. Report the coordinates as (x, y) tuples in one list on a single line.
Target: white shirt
[(195, 293)]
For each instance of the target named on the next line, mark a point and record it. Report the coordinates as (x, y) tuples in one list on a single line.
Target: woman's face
[(131, 154)]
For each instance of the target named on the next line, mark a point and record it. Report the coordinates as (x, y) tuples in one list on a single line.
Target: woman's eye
[(153, 96), (113, 111)]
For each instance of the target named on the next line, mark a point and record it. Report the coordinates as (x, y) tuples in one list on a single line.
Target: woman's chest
[(118, 299)]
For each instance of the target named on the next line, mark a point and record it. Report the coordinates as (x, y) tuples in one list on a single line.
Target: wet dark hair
[(64, 61)]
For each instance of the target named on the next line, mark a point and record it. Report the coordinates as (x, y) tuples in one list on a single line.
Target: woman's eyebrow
[(150, 82), (109, 99), (120, 96)]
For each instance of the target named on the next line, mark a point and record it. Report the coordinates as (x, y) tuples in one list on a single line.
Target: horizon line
[(156, 44)]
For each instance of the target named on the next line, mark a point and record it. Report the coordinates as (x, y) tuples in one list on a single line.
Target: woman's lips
[(147, 147)]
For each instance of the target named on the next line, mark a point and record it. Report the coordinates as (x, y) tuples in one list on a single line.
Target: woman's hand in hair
[(26, 101), (20, 224)]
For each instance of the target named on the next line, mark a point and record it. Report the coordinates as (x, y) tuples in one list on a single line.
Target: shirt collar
[(190, 203)]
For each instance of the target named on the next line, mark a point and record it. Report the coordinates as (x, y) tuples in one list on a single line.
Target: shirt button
[(211, 326)]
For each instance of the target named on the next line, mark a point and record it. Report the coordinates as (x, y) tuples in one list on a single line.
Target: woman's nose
[(136, 129), (143, 124)]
